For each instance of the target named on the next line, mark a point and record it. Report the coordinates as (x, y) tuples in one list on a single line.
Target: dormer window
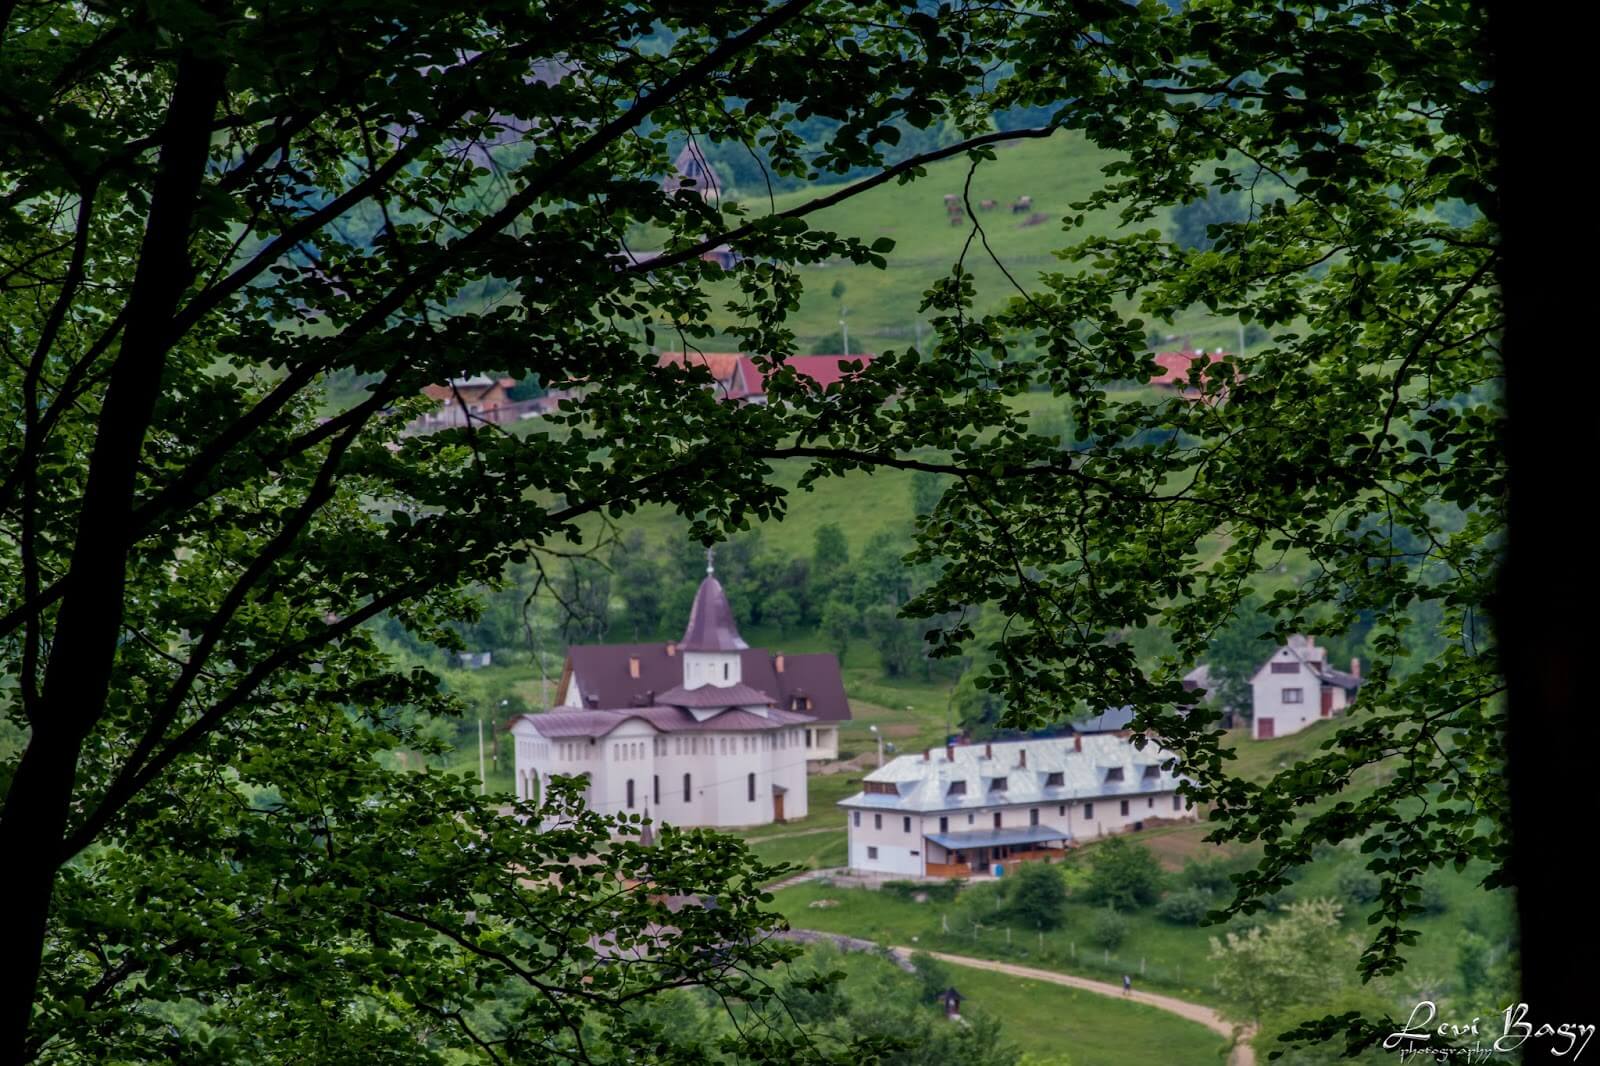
[(957, 788), (997, 784), (882, 788), (1152, 772), (1055, 780), (1114, 774)]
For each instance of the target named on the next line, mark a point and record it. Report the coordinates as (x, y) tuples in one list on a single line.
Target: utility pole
[(494, 731), (483, 781)]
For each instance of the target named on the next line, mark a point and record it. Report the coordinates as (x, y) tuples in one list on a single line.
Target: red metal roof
[(825, 370), (1175, 368)]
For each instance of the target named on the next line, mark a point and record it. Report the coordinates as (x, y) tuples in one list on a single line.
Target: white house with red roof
[(1297, 686), (701, 731)]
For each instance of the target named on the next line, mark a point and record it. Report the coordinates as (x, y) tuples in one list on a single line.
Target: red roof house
[(1175, 367)]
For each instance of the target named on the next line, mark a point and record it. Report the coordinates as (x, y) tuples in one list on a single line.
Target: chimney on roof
[(1355, 667), (672, 647), (988, 751), (949, 753), (777, 664), (1022, 758), (1077, 742), (633, 666)]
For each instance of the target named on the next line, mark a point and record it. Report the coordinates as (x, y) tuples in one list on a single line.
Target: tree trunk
[(1544, 623), (83, 651)]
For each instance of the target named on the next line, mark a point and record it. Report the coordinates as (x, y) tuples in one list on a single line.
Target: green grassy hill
[(881, 306)]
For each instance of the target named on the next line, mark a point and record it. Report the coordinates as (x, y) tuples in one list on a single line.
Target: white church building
[(711, 749)]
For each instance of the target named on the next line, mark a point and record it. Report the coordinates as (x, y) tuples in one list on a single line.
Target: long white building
[(959, 810), (710, 750)]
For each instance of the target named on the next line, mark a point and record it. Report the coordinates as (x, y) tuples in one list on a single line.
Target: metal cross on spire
[(711, 561)]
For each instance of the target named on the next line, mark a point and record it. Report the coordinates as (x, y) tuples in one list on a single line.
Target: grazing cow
[(951, 200), (957, 214), (987, 205), (1024, 203)]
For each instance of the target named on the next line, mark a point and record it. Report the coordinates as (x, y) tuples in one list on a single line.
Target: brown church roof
[(605, 674), (569, 723)]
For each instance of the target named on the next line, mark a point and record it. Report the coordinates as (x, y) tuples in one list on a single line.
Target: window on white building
[(750, 785), (686, 788), (1177, 803), (1033, 816), (877, 821), (1294, 695), (1088, 810), (630, 793), (1124, 808), (855, 817), (872, 853), (908, 825), (944, 825)]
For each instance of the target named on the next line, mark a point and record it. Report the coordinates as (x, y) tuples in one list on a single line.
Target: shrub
[(1187, 907), (901, 890), (1037, 896), (1433, 900), (1206, 876), (1109, 929), (1124, 875), (1358, 885)]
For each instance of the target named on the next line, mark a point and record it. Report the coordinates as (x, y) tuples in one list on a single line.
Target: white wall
[(719, 766), (1267, 699), (824, 742), (1082, 820), (716, 668)]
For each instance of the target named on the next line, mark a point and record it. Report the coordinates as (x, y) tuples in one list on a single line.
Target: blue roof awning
[(995, 838)]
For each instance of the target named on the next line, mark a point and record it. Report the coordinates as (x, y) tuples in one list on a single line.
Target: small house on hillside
[(467, 400), (1174, 369), (692, 171), (1297, 686), (739, 378)]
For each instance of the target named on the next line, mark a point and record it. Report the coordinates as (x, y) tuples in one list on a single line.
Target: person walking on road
[(1127, 985)]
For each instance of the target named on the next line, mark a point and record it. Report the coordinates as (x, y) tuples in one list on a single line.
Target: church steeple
[(711, 624), (711, 643)]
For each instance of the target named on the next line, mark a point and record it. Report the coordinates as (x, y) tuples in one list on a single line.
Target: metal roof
[(740, 695), (922, 783), (995, 838), (1110, 720), (711, 625), (592, 723)]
